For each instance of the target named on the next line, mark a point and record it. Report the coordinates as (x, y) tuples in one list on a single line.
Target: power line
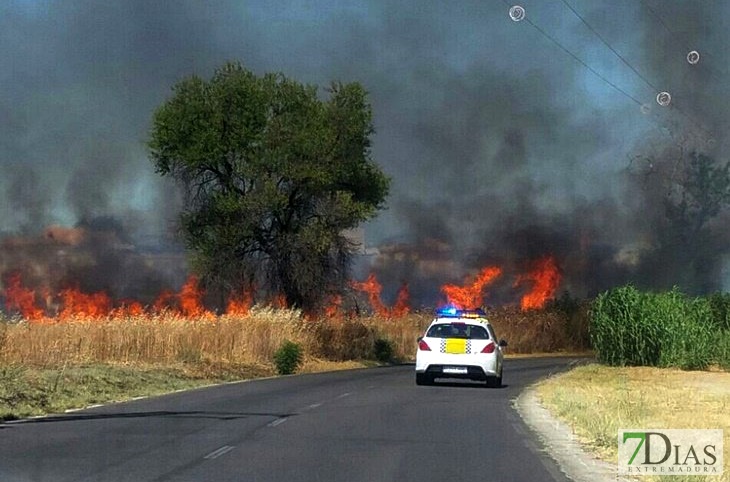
[(615, 52), (675, 38), (578, 59)]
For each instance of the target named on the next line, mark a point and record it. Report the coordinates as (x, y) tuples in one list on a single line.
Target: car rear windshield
[(458, 330)]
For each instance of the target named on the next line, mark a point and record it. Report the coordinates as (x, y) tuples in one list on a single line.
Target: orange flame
[(240, 305), (189, 301), (128, 308), (372, 288), (163, 301), (191, 298), (78, 304), (545, 276), (21, 299), (402, 305), (471, 295), (334, 307)]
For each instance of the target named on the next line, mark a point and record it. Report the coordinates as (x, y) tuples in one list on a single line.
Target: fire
[(545, 278), (402, 302), (128, 308), (22, 299), (163, 302), (471, 295), (334, 307), (240, 305), (372, 288), (78, 304), (191, 298), (542, 280)]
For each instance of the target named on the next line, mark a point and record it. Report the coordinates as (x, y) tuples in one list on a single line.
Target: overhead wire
[(653, 88), (608, 45), (713, 69), (578, 59)]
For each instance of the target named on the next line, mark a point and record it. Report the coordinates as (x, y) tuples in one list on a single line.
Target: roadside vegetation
[(596, 401), (49, 365), (666, 364), (670, 329)]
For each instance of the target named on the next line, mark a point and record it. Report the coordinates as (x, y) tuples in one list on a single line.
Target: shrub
[(288, 358), (629, 327), (720, 307), (383, 350), (723, 350), (348, 340)]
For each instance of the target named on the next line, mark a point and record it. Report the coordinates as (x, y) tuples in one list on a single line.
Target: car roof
[(458, 319)]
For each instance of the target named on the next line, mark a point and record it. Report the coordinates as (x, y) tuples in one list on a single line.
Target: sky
[(503, 139)]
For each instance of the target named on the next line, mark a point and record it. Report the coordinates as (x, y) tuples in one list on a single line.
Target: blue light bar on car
[(453, 312)]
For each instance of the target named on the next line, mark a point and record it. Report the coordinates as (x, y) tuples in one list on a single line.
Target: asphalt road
[(359, 425)]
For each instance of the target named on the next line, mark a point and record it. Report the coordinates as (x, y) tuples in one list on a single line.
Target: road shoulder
[(561, 444)]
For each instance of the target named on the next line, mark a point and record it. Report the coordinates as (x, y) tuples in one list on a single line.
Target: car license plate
[(455, 370)]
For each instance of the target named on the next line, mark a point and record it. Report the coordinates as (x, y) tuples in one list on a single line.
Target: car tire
[(494, 382), (423, 379)]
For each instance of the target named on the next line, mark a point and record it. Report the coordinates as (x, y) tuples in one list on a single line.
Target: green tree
[(697, 194), (274, 175)]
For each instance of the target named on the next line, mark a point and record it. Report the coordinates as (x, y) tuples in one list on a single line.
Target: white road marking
[(278, 422), (217, 453), (315, 405), (344, 395)]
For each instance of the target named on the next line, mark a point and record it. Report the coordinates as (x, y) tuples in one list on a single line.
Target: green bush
[(629, 327), (288, 358), (383, 350), (722, 355), (720, 306)]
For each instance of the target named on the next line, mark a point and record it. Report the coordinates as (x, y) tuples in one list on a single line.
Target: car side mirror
[(502, 342)]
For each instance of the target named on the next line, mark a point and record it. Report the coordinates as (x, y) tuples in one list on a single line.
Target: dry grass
[(597, 401), (167, 338)]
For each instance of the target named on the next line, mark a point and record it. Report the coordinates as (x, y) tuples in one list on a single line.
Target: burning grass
[(167, 337)]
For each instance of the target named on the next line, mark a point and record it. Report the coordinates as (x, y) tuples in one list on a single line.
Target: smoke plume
[(502, 147)]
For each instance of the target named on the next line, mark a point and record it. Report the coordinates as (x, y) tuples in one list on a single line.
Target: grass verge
[(30, 391), (597, 400)]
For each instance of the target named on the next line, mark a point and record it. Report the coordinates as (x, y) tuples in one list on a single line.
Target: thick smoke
[(502, 148)]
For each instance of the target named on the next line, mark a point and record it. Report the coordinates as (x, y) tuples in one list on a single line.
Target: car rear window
[(458, 330)]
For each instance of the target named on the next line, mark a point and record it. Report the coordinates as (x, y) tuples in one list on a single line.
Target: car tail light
[(423, 346), (489, 348)]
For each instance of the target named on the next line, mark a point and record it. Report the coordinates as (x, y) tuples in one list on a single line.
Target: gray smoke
[(502, 147)]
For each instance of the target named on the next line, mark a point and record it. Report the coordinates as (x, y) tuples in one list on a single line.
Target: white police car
[(460, 344)]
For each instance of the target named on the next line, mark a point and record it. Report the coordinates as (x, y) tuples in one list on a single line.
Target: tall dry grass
[(253, 339)]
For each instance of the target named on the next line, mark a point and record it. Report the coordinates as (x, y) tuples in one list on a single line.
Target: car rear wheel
[(495, 382), (423, 379)]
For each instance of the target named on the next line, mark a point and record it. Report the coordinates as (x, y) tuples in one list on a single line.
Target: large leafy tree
[(274, 176)]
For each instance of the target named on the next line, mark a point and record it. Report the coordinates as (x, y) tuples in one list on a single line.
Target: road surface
[(359, 425)]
